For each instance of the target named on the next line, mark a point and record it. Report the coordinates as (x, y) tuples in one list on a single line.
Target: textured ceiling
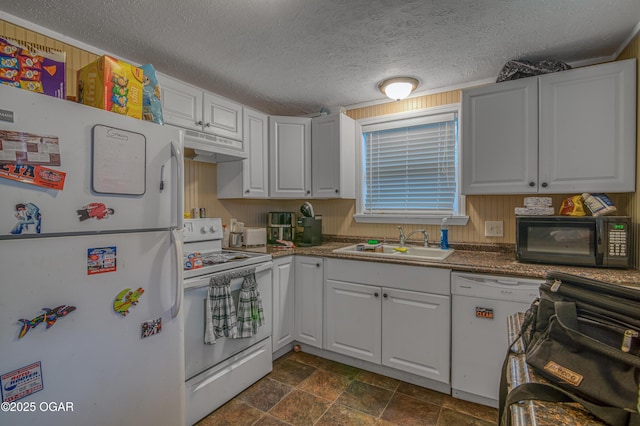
[(296, 56)]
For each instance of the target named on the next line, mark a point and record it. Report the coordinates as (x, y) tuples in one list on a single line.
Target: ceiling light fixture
[(398, 87)]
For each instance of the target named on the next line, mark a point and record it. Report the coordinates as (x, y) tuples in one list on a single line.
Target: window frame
[(458, 218)]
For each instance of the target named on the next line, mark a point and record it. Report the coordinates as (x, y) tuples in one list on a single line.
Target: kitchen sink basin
[(389, 251)]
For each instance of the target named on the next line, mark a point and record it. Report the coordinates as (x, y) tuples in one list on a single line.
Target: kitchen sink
[(389, 251)]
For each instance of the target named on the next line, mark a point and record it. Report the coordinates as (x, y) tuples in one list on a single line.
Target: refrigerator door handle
[(176, 236), (177, 152)]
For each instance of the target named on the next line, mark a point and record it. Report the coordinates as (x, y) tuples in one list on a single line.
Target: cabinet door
[(416, 333), (353, 319), (500, 138), (181, 103), (222, 117), (256, 168), (308, 295), (283, 302), (290, 157), (587, 129), (248, 178), (333, 157)]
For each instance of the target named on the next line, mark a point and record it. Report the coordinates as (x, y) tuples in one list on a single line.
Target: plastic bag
[(151, 106), (572, 206), (514, 70), (598, 204)]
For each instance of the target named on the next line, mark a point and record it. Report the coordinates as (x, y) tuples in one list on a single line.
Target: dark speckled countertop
[(488, 259)]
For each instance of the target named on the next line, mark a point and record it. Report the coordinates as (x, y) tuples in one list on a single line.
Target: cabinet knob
[(337, 191), (385, 295), (317, 265), (247, 191), (545, 184), (199, 123), (376, 294), (207, 125), (308, 192), (532, 183)]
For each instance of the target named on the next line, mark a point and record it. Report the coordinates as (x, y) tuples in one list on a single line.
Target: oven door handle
[(204, 280), (264, 266), (176, 237)]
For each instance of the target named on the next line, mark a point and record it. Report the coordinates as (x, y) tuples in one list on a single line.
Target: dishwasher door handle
[(507, 282)]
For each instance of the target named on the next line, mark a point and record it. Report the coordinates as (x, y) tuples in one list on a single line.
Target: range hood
[(213, 149)]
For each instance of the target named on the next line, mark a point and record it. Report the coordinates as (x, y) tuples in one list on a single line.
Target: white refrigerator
[(91, 328)]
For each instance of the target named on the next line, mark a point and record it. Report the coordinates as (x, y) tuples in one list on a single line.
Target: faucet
[(403, 238)]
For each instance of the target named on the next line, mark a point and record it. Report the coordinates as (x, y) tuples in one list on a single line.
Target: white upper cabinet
[(192, 108), (248, 178), (222, 116), (588, 129), (289, 157), (333, 145), (566, 132), (181, 103), (500, 138)]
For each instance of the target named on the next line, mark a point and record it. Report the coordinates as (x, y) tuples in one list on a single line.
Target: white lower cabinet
[(353, 320), (308, 296), (416, 333), (394, 315), (283, 302)]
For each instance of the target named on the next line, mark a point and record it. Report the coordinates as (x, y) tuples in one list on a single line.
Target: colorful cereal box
[(34, 68), (112, 85)]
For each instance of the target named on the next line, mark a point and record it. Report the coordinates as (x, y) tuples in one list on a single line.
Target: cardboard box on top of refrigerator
[(32, 67), (112, 85)]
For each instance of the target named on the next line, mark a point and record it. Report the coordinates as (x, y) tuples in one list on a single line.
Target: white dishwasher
[(480, 306)]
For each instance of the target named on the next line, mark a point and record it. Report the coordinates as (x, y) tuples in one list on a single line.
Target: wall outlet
[(493, 228)]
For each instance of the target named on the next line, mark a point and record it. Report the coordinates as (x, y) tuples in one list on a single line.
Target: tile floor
[(304, 389)]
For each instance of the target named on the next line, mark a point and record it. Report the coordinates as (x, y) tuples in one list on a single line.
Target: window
[(409, 167)]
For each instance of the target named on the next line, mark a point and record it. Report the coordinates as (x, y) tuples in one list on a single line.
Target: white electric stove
[(216, 373)]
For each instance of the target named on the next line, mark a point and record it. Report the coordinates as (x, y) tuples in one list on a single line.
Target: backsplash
[(337, 215)]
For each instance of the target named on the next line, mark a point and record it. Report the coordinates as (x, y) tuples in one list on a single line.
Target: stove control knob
[(213, 229), (203, 230)]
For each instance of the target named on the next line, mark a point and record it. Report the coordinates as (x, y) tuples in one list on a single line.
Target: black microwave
[(602, 241)]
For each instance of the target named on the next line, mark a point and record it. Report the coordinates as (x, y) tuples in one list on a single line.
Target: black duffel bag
[(582, 336)]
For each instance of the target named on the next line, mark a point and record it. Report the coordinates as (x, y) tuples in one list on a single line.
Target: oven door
[(198, 355), (558, 240)]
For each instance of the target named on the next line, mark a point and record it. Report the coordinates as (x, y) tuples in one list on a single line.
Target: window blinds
[(410, 166)]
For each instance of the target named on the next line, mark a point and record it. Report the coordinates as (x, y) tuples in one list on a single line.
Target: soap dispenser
[(444, 235)]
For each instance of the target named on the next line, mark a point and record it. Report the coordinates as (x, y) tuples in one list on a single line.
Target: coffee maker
[(309, 232), (280, 226)]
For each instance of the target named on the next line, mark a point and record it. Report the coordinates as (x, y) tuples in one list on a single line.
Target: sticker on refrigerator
[(94, 210), (126, 299), (101, 260), (484, 312), (33, 175), (29, 148), (149, 328), (22, 382), (29, 219), (50, 316)]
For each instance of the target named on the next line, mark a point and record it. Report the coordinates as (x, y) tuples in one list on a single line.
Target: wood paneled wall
[(200, 178), (76, 58), (632, 51)]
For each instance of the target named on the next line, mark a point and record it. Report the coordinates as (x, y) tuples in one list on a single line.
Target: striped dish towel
[(221, 318), (250, 312)]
